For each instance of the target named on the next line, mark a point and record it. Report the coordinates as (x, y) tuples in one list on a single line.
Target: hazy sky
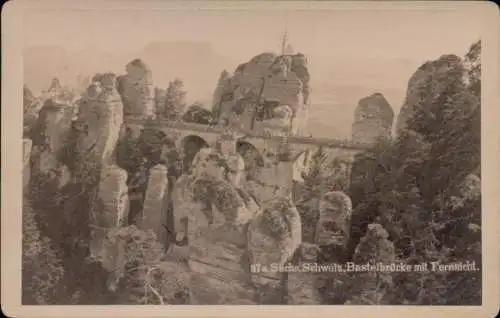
[(326, 36), (410, 34)]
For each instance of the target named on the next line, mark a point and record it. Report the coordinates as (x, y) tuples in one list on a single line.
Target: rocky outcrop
[(154, 215), (418, 83), (335, 210), (285, 87), (234, 163), (276, 178), (108, 214), (248, 76), (221, 195), (113, 197), (183, 204), (96, 131), (49, 136), (274, 235), (100, 118), (264, 83), (53, 126), (136, 90), (206, 191), (205, 163), (279, 122), (373, 119), (215, 212)]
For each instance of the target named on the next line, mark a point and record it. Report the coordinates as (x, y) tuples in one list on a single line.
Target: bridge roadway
[(257, 138)]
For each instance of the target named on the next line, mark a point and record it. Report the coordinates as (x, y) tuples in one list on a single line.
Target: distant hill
[(195, 63)]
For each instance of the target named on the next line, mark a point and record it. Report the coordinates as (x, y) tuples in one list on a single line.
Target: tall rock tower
[(136, 90), (373, 119), (269, 93)]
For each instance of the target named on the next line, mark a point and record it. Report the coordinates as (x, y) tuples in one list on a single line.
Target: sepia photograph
[(230, 153)]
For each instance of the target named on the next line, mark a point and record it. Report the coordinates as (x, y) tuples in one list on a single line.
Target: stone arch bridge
[(265, 145)]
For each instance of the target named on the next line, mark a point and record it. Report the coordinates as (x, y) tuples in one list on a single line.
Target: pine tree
[(42, 270), (445, 118), (197, 113), (175, 101), (148, 279), (308, 200), (223, 87)]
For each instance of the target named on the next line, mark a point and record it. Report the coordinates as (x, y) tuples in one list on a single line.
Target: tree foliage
[(324, 175), (175, 101), (198, 114), (138, 155), (42, 270), (419, 187), (148, 279)]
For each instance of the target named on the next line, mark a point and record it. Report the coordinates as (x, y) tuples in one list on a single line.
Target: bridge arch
[(252, 157), (190, 146)]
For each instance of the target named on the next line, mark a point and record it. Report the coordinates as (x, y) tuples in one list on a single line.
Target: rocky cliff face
[(97, 129), (49, 135), (261, 85), (299, 67), (426, 73), (100, 118), (373, 119), (77, 190), (136, 89)]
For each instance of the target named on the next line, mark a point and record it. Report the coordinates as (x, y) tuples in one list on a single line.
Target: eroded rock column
[(49, 136), (136, 90), (373, 119), (274, 236), (154, 215), (111, 210), (110, 213), (332, 229), (101, 116), (332, 234)]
